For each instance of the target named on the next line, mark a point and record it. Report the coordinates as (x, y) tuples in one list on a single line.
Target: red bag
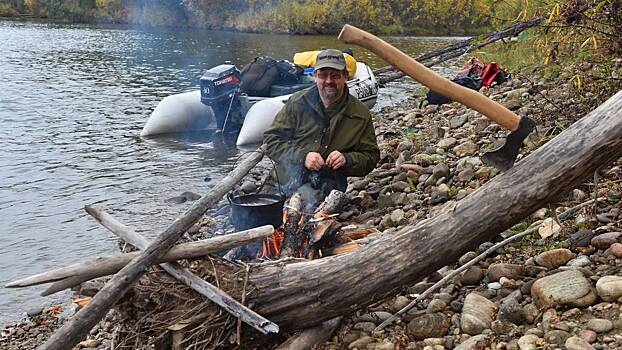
[(489, 74)]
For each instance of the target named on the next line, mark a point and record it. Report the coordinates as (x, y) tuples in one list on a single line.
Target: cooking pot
[(253, 210)]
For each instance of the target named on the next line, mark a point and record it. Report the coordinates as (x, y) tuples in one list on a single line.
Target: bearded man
[(323, 134)]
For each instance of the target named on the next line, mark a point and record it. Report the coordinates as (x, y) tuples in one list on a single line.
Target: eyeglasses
[(334, 75)]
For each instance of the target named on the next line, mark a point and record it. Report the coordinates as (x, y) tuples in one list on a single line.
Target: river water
[(73, 99)]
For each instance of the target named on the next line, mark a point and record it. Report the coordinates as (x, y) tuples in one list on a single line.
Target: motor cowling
[(219, 86), (218, 83)]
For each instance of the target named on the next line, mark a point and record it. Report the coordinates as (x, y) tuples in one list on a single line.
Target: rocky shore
[(558, 288)]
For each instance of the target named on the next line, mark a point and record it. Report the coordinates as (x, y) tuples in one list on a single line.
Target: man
[(323, 133)]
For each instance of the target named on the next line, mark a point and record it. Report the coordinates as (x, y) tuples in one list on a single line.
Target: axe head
[(503, 158)]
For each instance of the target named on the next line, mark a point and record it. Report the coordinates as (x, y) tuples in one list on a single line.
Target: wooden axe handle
[(470, 98)]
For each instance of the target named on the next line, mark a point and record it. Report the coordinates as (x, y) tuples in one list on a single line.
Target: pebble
[(429, 326), (556, 337), (616, 250), (466, 148), (511, 311), (528, 342), (554, 258), (511, 271), (563, 288), (436, 305), (399, 303), (447, 142), (477, 342), (605, 240), (599, 325), (32, 312), (609, 288), (472, 276), (576, 343), (477, 314), (365, 326), (579, 261), (466, 257), (588, 335), (531, 313), (362, 342)]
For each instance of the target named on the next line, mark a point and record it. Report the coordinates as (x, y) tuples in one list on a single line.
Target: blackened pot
[(253, 210)]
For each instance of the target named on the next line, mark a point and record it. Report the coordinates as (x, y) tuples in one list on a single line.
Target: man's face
[(330, 82)]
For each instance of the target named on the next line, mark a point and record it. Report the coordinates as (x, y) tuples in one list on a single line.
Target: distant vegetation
[(415, 17)]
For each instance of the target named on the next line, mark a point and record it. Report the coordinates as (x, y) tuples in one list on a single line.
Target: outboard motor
[(220, 90)]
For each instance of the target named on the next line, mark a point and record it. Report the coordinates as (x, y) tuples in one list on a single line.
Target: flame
[(271, 246)]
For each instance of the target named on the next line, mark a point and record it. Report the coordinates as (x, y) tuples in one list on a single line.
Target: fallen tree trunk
[(107, 265), (77, 327), (301, 295)]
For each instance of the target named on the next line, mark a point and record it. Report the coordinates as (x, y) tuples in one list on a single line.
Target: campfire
[(312, 235)]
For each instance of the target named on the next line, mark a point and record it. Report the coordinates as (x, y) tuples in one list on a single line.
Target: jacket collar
[(313, 100)]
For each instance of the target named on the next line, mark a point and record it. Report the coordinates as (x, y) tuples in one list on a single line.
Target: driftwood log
[(77, 327), (184, 275), (75, 274), (302, 295)]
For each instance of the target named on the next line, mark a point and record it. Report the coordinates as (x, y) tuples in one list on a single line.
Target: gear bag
[(259, 75), (289, 73), (434, 98)]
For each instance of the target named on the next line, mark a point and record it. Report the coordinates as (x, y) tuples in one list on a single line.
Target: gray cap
[(330, 58)]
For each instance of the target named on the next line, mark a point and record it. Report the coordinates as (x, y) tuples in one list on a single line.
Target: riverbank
[(493, 303)]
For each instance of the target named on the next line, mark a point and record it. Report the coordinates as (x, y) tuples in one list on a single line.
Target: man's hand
[(335, 160), (314, 161)]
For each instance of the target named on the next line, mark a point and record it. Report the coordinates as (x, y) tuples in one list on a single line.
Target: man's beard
[(330, 95)]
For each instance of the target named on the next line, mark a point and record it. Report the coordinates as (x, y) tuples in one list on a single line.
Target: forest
[(403, 17)]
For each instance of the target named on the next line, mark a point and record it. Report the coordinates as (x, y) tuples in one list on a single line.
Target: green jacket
[(304, 126)]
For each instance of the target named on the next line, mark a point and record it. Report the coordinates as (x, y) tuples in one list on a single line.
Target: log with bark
[(78, 326), (304, 294)]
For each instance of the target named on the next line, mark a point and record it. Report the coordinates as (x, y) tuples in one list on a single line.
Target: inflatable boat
[(220, 104)]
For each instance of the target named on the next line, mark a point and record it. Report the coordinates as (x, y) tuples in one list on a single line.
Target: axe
[(503, 157)]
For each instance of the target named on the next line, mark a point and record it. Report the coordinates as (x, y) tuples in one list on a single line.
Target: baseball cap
[(330, 58)]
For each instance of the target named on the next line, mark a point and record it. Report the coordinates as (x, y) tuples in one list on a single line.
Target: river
[(73, 99)]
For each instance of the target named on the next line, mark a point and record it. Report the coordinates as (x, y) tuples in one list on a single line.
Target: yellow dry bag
[(308, 58)]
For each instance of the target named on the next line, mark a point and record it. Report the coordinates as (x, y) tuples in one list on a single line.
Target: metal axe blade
[(503, 158)]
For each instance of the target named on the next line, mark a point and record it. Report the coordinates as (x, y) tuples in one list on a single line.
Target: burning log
[(323, 224), (304, 294), (77, 327), (303, 231), (292, 215)]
